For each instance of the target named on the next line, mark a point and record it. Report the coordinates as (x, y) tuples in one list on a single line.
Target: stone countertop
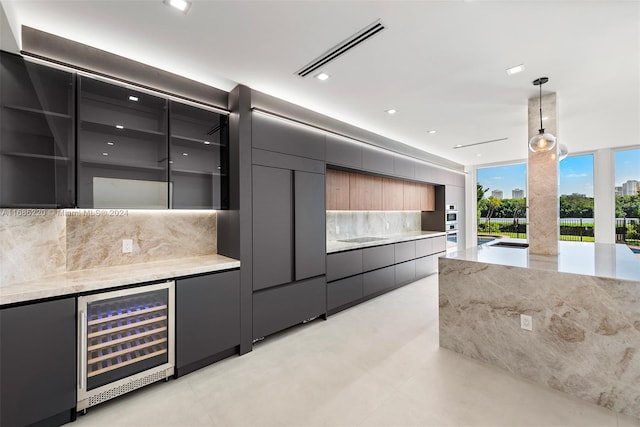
[(80, 281), (385, 239), (590, 259)]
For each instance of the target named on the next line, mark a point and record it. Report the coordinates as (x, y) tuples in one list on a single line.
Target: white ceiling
[(441, 64)]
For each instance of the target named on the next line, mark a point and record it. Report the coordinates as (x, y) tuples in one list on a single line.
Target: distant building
[(517, 193), (578, 195), (619, 191), (630, 188), (497, 194)]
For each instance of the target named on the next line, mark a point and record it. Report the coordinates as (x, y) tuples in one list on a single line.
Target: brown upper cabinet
[(355, 191)]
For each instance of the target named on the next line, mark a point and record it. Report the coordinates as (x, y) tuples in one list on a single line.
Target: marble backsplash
[(55, 241), (348, 224)]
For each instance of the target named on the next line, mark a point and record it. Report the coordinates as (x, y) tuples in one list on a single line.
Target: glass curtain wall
[(627, 193), (576, 198)]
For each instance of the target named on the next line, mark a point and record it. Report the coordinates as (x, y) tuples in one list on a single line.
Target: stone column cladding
[(542, 181)]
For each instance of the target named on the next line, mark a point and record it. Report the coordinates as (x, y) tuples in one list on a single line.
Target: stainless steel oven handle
[(83, 350)]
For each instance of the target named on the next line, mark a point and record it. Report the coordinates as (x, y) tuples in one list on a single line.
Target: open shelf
[(119, 165), (111, 129), (196, 172), (181, 138), (38, 156)]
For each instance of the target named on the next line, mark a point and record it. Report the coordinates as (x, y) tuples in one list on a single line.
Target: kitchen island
[(585, 317)]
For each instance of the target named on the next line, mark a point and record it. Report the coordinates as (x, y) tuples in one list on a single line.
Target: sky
[(627, 165), (576, 174)]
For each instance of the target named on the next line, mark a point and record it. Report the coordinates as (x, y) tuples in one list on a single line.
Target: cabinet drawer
[(285, 306), (377, 257), (405, 251), (344, 291), (426, 265), (378, 280), (344, 264), (405, 272), (439, 244), (424, 247)]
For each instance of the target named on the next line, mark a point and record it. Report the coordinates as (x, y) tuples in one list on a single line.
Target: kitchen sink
[(365, 239), (511, 245)]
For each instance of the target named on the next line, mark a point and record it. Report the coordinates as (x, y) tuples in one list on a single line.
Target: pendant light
[(542, 141), (563, 152)]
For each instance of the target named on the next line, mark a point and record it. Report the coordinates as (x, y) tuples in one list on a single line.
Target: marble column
[(542, 181)]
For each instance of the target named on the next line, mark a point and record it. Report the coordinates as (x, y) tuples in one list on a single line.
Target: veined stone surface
[(586, 329), (348, 224)]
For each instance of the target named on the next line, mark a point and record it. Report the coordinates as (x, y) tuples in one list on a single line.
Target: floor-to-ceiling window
[(502, 201), (576, 198), (627, 191)]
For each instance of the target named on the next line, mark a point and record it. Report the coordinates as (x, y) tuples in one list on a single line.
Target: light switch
[(127, 246)]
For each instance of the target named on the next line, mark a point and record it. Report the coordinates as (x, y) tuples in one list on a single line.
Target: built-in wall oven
[(125, 341), (452, 241)]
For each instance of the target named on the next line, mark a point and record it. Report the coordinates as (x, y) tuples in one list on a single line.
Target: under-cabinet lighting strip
[(350, 138), (115, 80)]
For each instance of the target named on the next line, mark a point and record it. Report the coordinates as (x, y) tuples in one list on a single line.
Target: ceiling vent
[(341, 48)]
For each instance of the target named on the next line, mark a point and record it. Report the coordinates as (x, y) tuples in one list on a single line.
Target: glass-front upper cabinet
[(37, 150), (199, 158), (122, 147)]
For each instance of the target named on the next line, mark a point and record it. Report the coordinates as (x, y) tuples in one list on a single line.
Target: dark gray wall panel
[(341, 151), (270, 133), (310, 222), (377, 161), (377, 257), (344, 291), (405, 251), (37, 361), (285, 306), (405, 272), (207, 316), (272, 227), (378, 280), (404, 167), (286, 161), (426, 265), (344, 264)]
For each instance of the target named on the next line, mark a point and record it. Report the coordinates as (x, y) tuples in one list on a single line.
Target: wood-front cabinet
[(356, 191)]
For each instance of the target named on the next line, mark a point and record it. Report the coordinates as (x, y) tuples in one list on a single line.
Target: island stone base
[(586, 330)]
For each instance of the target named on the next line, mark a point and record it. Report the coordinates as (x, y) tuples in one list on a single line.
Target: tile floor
[(377, 364)]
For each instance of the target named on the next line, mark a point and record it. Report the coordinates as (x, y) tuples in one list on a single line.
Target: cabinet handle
[(83, 350)]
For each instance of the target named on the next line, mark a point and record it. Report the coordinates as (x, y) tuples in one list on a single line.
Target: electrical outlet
[(127, 246), (526, 322)]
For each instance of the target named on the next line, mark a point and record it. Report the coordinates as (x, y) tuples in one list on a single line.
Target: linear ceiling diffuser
[(341, 48)]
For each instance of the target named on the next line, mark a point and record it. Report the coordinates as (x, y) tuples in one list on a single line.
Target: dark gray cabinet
[(405, 251), (344, 264), (343, 152), (284, 306), (309, 232), (272, 227), (405, 272), (344, 291), (122, 147), (207, 319), (379, 280), (377, 257), (37, 139), (38, 363), (198, 158), (273, 134), (377, 160)]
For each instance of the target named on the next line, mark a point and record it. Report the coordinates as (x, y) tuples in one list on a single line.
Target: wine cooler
[(125, 341)]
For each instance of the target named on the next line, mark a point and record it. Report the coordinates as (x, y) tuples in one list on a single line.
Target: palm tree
[(493, 204)]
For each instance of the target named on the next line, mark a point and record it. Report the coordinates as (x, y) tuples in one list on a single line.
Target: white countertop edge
[(334, 246), (76, 282)]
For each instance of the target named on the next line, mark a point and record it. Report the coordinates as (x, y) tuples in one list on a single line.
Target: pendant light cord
[(540, 98)]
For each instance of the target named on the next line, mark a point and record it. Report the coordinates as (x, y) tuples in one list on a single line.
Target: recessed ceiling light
[(133, 98), (119, 127), (322, 76), (182, 5), (206, 142), (515, 70), (479, 155), (391, 111), (110, 143), (431, 132), (105, 154), (185, 154)]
